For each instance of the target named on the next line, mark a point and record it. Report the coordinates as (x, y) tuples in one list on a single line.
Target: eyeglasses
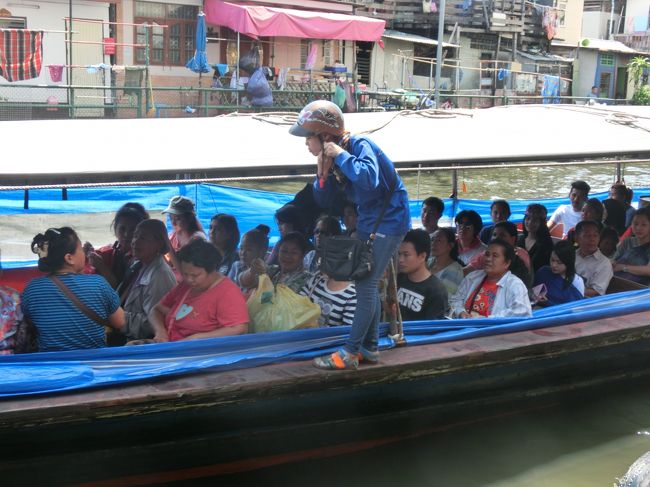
[(464, 226)]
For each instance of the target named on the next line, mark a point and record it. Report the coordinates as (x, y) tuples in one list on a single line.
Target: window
[(173, 45), (607, 60), (561, 6)]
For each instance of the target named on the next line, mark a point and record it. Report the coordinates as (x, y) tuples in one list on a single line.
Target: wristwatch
[(624, 268)]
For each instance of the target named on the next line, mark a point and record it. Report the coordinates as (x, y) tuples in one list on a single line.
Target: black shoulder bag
[(347, 258)]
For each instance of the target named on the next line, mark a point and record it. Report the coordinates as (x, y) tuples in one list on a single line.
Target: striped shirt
[(337, 307), (61, 325)]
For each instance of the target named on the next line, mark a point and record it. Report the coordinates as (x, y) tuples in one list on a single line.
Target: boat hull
[(216, 423)]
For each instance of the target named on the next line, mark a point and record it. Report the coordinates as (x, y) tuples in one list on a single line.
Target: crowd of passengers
[(151, 286)]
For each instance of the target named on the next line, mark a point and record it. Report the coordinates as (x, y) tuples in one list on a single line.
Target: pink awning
[(257, 21)]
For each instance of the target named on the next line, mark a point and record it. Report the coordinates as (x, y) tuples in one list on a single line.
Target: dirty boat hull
[(216, 423)]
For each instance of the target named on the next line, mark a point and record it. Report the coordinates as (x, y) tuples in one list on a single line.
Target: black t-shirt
[(426, 300)]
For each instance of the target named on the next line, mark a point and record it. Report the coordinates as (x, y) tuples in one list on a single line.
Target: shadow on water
[(585, 440)]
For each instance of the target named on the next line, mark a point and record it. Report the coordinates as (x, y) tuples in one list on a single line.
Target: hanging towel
[(222, 69), (311, 57), (132, 80), (21, 54), (551, 89), (56, 72)]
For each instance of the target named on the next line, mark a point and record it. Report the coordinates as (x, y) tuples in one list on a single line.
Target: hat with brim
[(179, 205), (299, 131)]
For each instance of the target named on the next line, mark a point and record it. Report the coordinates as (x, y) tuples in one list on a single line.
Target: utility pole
[(441, 35)]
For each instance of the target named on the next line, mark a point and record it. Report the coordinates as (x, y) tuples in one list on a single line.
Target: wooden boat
[(211, 423)]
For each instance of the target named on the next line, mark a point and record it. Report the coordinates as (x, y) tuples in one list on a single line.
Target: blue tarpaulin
[(65, 371), (251, 207)]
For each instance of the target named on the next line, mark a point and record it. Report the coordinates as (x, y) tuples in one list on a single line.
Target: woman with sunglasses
[(326, 226)]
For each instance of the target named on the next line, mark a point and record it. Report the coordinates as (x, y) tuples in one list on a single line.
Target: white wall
[(636, 14), (49, 16), (585, 65), (388, 65), (594, 24)]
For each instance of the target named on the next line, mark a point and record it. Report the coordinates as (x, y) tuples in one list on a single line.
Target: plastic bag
[(258, 90), (279, 308), (250, 61)]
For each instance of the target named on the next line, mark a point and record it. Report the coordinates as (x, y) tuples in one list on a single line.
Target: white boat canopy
[(261, 144)]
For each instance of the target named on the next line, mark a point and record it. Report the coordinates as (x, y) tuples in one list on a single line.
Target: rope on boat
[(311, 175)]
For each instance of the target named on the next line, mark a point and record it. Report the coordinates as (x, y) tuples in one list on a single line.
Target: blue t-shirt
[(61, 325)]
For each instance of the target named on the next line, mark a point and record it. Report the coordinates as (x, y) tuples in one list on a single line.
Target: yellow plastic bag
[(279, 308)]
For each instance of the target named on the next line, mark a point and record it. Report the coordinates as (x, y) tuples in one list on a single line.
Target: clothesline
[(89, 21), (102, 43), (42, 30)]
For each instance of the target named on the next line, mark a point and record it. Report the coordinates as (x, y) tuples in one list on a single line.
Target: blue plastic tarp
[(251, 207), (42, 373)]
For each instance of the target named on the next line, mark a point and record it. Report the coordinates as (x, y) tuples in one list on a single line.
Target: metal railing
[(41, 102)]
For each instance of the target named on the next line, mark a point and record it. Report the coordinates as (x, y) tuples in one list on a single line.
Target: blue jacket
[(370, 173)]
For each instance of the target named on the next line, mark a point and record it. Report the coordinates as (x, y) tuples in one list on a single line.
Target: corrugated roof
[(606, 46)]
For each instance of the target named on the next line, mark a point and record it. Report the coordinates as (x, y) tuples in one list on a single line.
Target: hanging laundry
[(282, 78), (311, 57), (466, 5), (56, 72), (222, 69), (640, 23), (503, 74), (132, 81), (21, 54), (551, 89), (549, 22)]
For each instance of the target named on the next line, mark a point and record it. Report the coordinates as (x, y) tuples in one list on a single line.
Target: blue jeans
[(365, 327)]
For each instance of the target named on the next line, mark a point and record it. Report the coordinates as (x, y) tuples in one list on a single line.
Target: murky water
[(583, 442)]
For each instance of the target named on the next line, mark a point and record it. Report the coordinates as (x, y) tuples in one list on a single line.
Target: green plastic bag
[(339, 96), (279, 308)]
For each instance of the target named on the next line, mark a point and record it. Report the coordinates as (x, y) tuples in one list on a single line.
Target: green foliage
[(636, 69), (641, 96)]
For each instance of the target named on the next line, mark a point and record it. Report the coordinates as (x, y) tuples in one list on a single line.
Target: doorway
[(364, 52)]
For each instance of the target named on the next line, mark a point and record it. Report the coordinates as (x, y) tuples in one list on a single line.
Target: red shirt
[(219, 306), (482, 300)]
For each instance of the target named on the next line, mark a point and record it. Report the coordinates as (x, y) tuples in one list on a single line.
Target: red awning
[(257, 21)]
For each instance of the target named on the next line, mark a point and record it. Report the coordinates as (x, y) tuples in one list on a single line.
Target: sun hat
[(179, 205)]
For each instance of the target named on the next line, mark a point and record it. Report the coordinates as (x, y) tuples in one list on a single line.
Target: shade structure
[(199, 62), (257, 21)]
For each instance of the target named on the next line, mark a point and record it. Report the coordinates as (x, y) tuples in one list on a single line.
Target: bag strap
[(385, 205), (77, 302)]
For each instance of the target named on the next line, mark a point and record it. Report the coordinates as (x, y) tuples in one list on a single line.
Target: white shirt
[(595, 269), (511, 299), (565, 215)]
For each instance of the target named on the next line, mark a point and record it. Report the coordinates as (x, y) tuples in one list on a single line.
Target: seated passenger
[(594, 268), (562, 283), (494, 291), (224, 235), (615, 211), (337, 299), (291, 253), (632, 258), (112, 261), (421, 295), (592, 210), (500, 212), (350, 217), (288, 219), (10, 316), (565, 217), (60, 323), (326, 226), (205, 305), (252, 252), (536, 238), (623, 194), (468, 227), (151, 278), (444, 263), (506, 231), (432, 210), (608, 242), (185, 223)]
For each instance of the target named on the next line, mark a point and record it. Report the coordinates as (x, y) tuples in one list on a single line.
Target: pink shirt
[(217, 307), (478, 261)]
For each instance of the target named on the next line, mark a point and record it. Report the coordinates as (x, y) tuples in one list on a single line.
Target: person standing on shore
[(367, 176)]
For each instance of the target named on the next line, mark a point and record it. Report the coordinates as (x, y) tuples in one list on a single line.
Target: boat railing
[(44, 102)]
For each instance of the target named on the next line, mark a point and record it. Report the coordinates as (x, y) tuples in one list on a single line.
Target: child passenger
[(421, 295), (337, 299), (252, 251)]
